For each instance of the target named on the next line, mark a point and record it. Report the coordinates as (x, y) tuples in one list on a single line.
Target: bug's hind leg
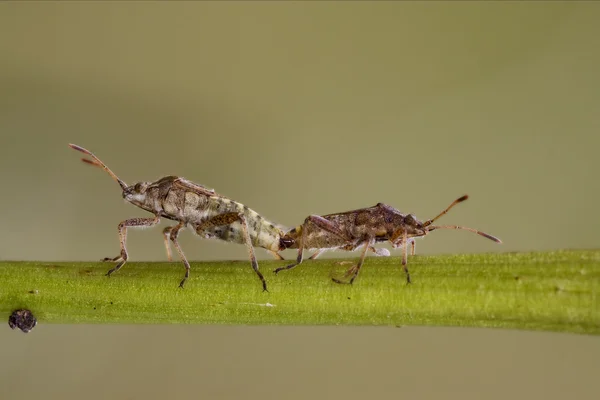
[(133, 222), (356, 268), (228, 219)]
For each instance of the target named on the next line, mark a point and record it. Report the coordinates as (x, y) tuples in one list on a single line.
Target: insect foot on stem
[(117, 267), (351, 272), (277, 270), (112, 259), (336, 280)]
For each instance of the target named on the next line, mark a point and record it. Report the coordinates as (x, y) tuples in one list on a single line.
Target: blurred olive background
[(296, 108)]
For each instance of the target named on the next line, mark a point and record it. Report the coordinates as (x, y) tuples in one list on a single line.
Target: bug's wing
[(353, 213), (193, 187)]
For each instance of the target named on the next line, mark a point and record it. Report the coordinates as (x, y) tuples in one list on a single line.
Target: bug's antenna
[(455, 202), (485, 235), (96, 162)]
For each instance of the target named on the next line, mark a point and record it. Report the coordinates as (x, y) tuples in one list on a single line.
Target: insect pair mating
[(212, 215)]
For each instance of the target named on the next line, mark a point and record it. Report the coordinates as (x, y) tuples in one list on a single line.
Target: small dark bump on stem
[(22, 319)]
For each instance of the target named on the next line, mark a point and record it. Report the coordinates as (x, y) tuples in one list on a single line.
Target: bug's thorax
[(137, 194), (149, 196)]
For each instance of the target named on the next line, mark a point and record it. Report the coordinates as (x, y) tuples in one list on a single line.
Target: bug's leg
[(167, 236), (250, 249), (405, 256), (356, 269), (133, 222), (412, 247), (228, 219), (276, 255), (403, 241), (317, 254), (117, 258), (300, 248), (321, 223), (173, 234)]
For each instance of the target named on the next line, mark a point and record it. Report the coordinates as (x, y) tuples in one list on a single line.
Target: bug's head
[(409, 227), (136, 194), (413, 226), (286, 242)]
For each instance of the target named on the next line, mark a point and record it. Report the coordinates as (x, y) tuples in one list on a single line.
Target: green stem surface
[(555, 291)]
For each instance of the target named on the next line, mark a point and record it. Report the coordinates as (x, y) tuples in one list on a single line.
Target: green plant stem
[(556, 291)]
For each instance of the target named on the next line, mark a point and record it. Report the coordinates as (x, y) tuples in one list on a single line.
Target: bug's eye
[(409, 219), (140, 187)]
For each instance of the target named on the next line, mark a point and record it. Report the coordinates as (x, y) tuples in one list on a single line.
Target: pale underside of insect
[(362, 229), (194, 206)]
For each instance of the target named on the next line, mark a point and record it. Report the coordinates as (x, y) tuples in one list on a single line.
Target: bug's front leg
[(401, 239), (166, 237), (133, 222), (173, 233), (228, 219), (405, 255)]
